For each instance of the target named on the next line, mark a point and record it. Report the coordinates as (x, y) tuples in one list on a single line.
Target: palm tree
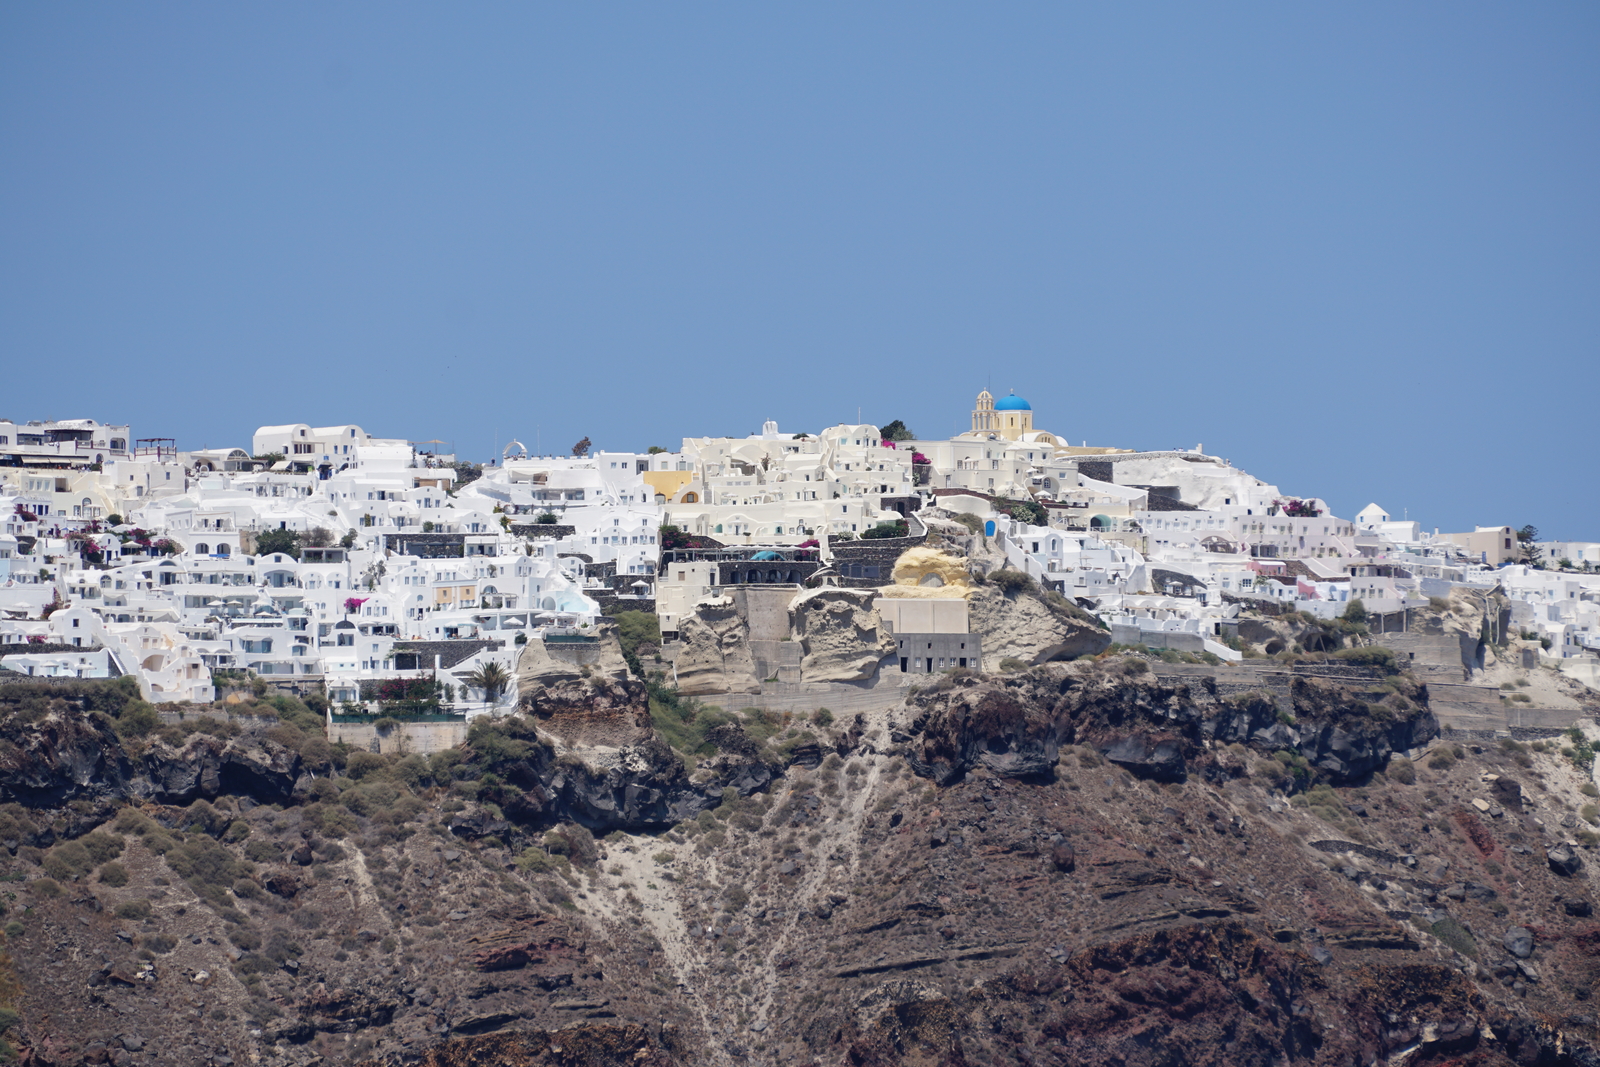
[(491, 678)]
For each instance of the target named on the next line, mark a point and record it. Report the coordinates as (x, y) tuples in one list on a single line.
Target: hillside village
[(843, 746), (325, 560)]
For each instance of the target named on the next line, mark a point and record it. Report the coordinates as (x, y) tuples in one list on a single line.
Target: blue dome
[(1012, 403)]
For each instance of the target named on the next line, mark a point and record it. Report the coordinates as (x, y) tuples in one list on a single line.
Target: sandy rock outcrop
[(843, 637), (1023, 626), (927, 572), (716, 654), (542, 665)]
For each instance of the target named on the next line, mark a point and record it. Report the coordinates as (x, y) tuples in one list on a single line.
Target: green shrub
[(134, 909), (1591, 814), (888, 528), (684, 722), (47, 888), (970, 521), (1401, 770), (137, 719), (201, 817), (209, 868), (113, 874), (371, 797), (68, 861), (361, 764), (538, 861), (635, 628), (1011, 665), (1011, 580), (245, 938), (1442, 759), (1133, 666), (1371, 656), (1455, 935), (332, 820)]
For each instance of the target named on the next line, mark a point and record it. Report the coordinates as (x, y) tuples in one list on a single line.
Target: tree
[(581, 448), (348, 540), (1028, 511), (491, 678), (467, 473), (286, 542), (317, 537), (1532, 554), (656, 450), (1355, 612), (547, 518), (888, 528), (897, 431)]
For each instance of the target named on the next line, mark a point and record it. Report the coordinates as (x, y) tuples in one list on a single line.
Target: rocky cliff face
[(66, 755), (541, 666), (1023, 625), (1079, 863), (1015, 726), (843, 637), (715, 657)]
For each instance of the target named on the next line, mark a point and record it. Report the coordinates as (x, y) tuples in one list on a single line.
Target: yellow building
[(668, 484), (1011, 417)]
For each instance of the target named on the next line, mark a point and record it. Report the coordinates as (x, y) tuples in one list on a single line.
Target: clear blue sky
[(1351, 247)]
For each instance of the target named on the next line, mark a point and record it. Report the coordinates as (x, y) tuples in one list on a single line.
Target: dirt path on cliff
[(629, 865), (813, 886)]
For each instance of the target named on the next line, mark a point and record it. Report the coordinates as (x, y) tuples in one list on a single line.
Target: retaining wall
[(423, 738)]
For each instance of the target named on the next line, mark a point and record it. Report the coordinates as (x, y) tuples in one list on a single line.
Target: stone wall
[(423, 738), (736, 572), (1101, 470), (843, 700), (427, 545), (1165, 503), (1177, 640), (765, 609), (610, 604), (450, 653), (878, 552), (543, 530), (48, 648), (777, 660)]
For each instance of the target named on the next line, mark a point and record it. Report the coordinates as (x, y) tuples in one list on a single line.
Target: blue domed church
[(1010, 416)]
